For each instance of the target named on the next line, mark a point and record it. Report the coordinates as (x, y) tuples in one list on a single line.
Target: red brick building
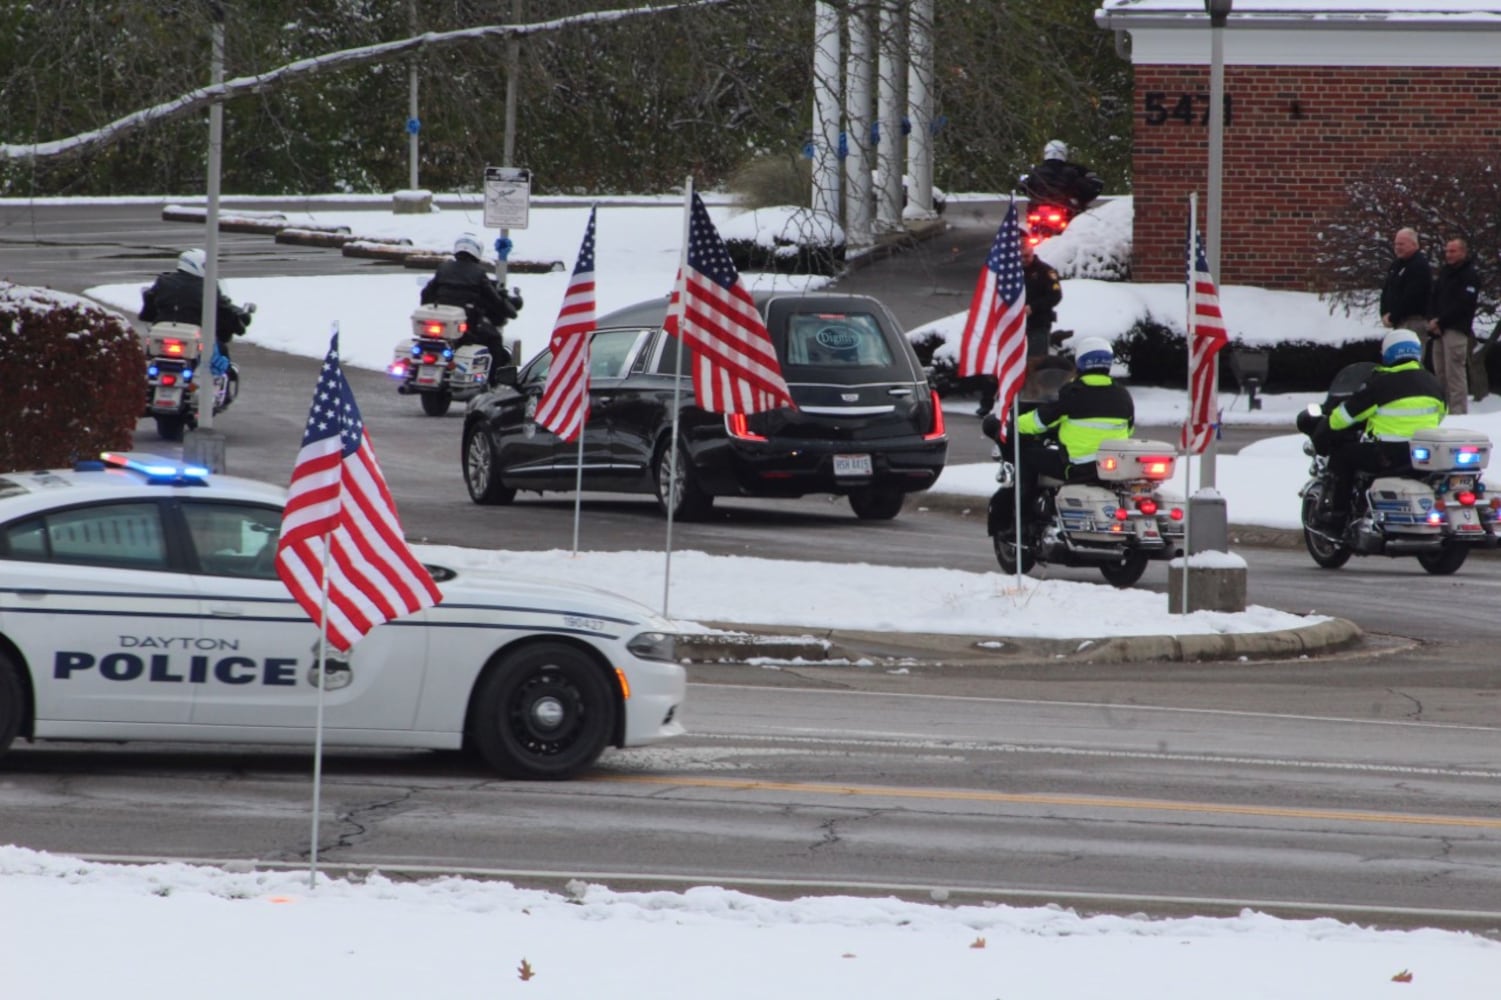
[(1316, 91)]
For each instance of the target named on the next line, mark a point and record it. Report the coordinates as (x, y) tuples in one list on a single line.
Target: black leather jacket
[(461, 281), (177, 297)]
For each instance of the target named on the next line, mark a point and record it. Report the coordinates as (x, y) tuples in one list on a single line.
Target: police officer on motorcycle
[(1091, 409), (461, 281), (1400, 398), (177, 297), (1059, 182)]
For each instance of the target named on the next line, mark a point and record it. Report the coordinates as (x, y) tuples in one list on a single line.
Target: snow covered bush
[(72, 378)]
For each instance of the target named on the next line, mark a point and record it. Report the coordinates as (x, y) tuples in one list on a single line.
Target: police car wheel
[(545, 712), (11, 701)]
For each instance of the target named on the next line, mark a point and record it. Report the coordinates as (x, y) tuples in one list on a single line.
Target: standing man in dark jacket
[(461, 281), (1451, 322), (1044, 292), (1404, 296), (177, 297)]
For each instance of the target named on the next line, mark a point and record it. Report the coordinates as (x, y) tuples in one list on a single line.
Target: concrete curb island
[(738, 643)]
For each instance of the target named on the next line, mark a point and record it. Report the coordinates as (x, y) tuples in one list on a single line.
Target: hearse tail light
[(737, 426), (938, 430)]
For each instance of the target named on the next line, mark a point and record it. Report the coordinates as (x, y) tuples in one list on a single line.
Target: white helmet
[(1400, 346), (1094, 354), (1055, 150), (191, 262), (469, 243)]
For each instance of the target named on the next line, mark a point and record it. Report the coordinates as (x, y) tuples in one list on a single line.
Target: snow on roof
[(1285, 13)]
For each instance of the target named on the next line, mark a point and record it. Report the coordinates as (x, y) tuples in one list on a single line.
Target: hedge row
[(72, 379)]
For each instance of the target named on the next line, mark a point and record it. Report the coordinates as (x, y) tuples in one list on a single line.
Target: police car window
[(121, 535), (837, 340), (234, 540)]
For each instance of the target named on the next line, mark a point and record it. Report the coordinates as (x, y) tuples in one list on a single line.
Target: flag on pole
[(1206, 336), (735, 367), (565, 399), (994, 341), (338, 505)]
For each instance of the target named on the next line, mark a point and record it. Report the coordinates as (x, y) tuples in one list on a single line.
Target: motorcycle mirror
[(1314, 410), (250, 308)]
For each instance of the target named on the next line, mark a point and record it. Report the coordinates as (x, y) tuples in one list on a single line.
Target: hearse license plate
[(851, 465)]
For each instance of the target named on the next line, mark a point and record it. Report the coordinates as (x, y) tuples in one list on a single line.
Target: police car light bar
[(157, 470)]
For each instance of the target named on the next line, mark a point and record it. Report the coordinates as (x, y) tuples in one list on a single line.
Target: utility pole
[(203, 446)]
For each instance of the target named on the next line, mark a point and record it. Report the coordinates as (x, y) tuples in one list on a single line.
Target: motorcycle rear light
[(429, 359), (1109, 463), (397, 368), (737, 426), (1465, 498), (463, 328), (433, 329), (1147, 506), (1436, 516), (1176, 513), (169, 380), (1121, 513), (938, 431), (1157, 467), (174, 348)]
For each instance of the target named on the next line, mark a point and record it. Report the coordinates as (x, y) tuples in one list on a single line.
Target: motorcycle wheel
[(1328, 554), (169, 427), (435, 404), (1004, 543), (1126, 572), (1446, 560), (482, 470)]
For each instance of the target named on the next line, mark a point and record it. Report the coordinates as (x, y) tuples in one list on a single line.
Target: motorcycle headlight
[(654, 646)]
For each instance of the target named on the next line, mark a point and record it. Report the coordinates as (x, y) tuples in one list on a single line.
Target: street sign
[(508, 197)]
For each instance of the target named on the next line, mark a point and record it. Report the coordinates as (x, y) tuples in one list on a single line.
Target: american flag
[(338, 502), (1206, 335), (994, 341), (565, 399), (735, 367)]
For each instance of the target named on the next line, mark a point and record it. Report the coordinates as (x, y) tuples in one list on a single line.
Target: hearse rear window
[(836, 340)]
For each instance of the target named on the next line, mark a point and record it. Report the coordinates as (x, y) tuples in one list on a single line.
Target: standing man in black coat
[(1451, 322), (1404, 296), (461, 281)]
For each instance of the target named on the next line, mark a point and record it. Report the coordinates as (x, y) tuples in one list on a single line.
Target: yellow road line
[(1089, 801)]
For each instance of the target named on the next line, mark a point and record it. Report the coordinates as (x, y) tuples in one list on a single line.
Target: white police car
[(139, 601)]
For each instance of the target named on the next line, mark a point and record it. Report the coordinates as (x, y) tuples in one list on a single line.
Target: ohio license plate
[(428, 375), (167, 398), (851, 465)]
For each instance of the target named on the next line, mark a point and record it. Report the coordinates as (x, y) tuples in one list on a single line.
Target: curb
[(738, 643)]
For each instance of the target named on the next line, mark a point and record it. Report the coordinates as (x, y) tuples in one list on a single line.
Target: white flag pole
[(318, 672), (578, 480), (1016, 471), (1189, 429), (677, 393)]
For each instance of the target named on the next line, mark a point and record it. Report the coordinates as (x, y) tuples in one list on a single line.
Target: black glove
[(515, 296), (990, 426)]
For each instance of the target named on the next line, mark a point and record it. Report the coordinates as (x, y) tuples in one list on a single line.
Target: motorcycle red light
[(169, 380), (1436, 516), (1147, 506), (1465, 498), (738, 427), (429, 359), (1176, 513), (433, 329), (1157, 467), (1109, 463), (174, 348), (1121, 513), (938, 430), (1056, 218)]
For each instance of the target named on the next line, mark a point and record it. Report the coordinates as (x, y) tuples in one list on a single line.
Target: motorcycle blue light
[(416, 350), (187, 374), (151, 371), (1466, 456), (1420, 454)]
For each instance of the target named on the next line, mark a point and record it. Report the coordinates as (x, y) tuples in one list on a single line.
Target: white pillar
[(890, 87), (825, 200), (859, 73), (920, 103)]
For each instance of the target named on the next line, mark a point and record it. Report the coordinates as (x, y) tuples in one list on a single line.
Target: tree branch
[(343, 59)]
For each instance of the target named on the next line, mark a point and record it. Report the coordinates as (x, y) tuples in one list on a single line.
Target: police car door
[(265, 685), (104, 620)]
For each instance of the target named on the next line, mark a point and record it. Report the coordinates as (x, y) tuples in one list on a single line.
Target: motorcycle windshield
[(1350, 378)]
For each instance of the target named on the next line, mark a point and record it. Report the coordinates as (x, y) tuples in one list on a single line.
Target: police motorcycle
[(436, 364), (1437, 512), (1117, 524), (175, 370)]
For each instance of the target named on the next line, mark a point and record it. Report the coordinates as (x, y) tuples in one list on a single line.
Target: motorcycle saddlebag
[(1402, 505)]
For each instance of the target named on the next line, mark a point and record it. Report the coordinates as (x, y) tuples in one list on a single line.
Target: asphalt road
[(1365, 779)]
